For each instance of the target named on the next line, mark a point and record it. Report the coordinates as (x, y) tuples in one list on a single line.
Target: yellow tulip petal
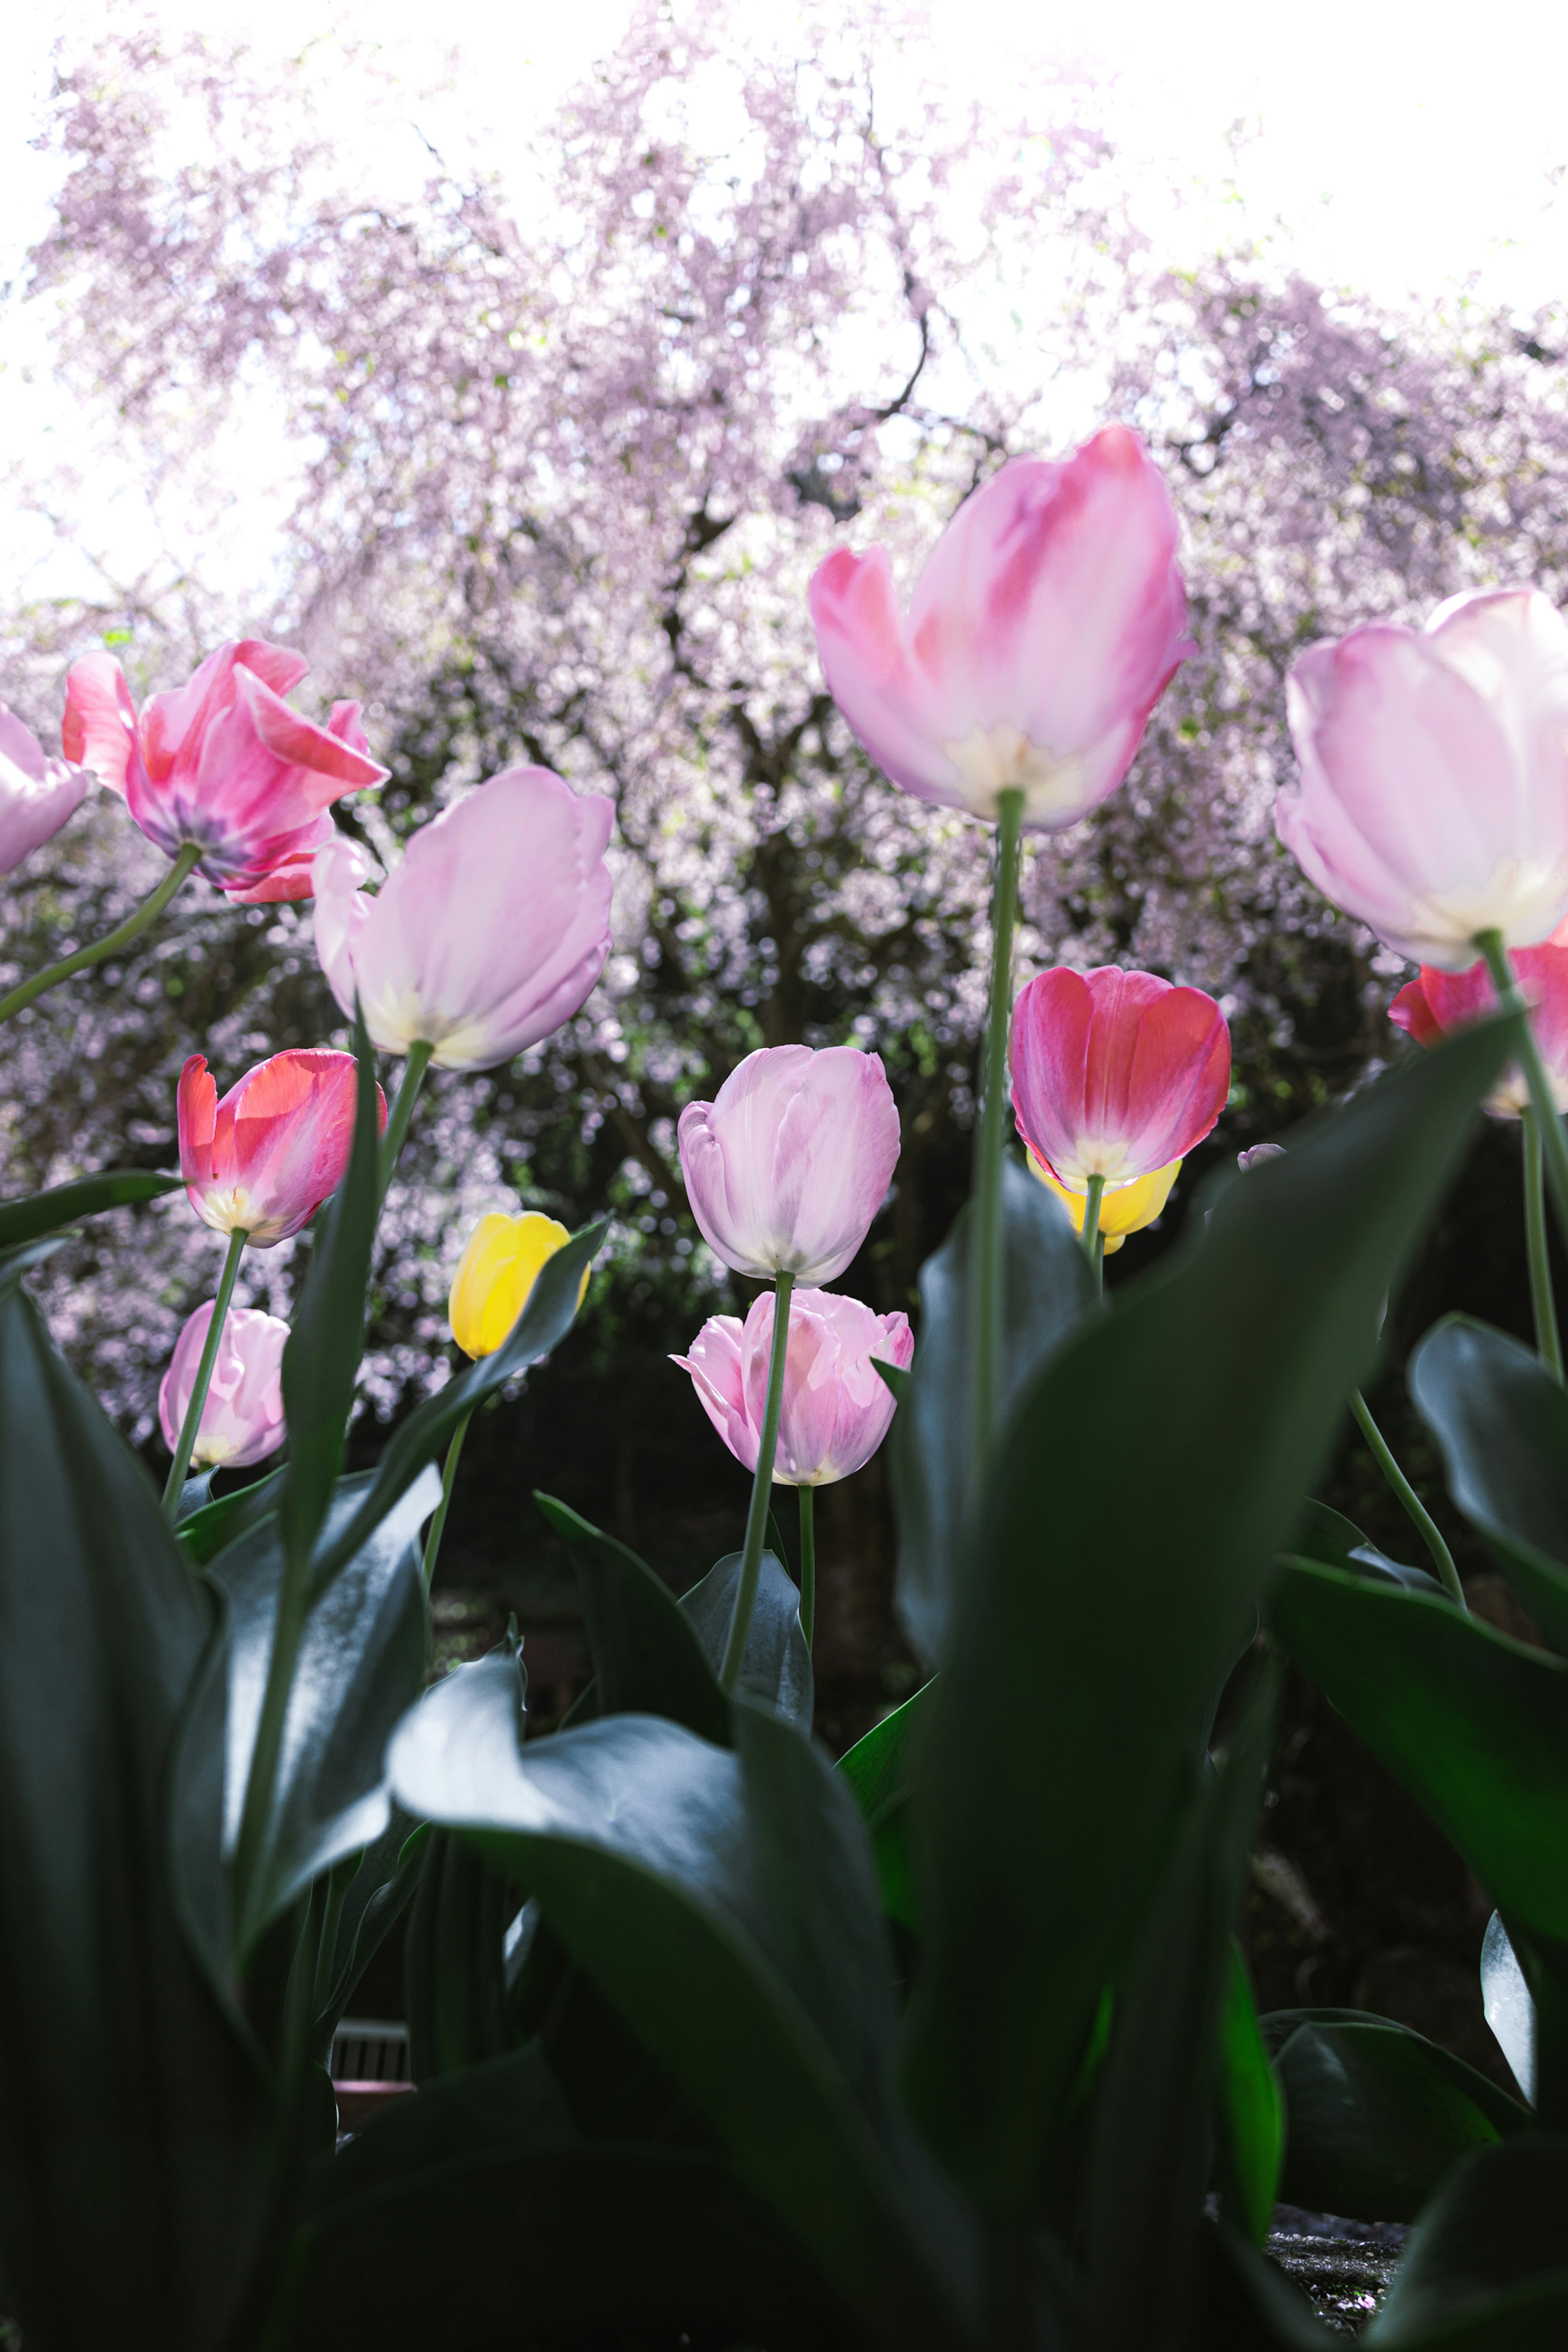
[(495, 1275), (1125, 1211)]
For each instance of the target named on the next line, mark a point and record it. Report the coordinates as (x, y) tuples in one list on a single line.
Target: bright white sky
[(1395, 150)]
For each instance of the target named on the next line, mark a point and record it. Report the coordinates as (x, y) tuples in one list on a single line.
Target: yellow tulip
[(1126, 1211), (496, 1274)]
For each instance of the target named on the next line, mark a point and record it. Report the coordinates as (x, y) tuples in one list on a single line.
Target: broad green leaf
[(880, 1770), (1049, 1290), (1507, 2005), (487, 2173), (543, 1323), (1252, 2110), (1378, 2114), (360, 1664), (1486, 2268), (204, 1534), (647, 1659), (724, 1901), (1503, 1422), (1327, 1536), (133, 2121), (1250, 2306), (1145, 1480), (46, 1213), (454, 1972), (776, 1667)]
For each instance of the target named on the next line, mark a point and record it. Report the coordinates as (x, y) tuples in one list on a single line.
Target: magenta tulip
[(836, 1406), (490, 931), (1433, 798), (786, 1168), (1047, 624), (263, 1160), (223, 763), (1432, 1007), (1115, 1074), (37, 793), (242, 1420)]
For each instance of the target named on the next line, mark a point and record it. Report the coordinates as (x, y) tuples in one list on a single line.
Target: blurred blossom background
[(521, 384)]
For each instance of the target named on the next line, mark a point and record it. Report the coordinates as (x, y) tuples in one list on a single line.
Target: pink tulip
[(242, 1420), (1115, 1074), (1433, 1007), (490, 931), (836, 1405), (37, 794), (264, 1159), (1047, 624), (223, 762), (1433, 798), (787, 1169)]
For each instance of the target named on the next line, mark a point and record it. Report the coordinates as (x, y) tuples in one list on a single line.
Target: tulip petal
[(98, 730)]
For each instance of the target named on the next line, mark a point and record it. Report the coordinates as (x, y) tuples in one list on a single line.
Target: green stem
[(338, 1882), (762, 1489), (807, 1562), (402, 1111), (120, 937), (448, 1476), (1553, 1142), (1541, 1298), (1093, 1239), (175, 1484), (1431, 1535), (989, 1260), (293, 1596)]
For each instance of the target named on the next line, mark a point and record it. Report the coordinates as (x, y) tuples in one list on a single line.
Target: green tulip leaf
[(205, 1532), (88, 1196), (880, 1770), (648, 1657), (1487, 2267), (776, 1667), (1251, 2108)]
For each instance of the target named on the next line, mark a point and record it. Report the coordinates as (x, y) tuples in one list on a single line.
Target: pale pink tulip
[(1432, 1007), (786, 1168), (37, 793), (1433, 798), (242, 1420), (263, 1160), (489, 932), (1115, 1074), (1048, 622), (223, 762), (836, 1406)]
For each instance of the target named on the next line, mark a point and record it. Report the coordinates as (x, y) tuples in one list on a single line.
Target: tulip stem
[(1542, 1299), (762, 1490), (1554, 1143), (407, 1094), (120, 937), (1093, 1239), (807, 1562), (1431, 1534), (174, 1485), (989, 1258), (437, 1525)]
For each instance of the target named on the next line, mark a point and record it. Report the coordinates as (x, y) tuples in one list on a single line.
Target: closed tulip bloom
[(1125, 1211), (836, 1406), (263, 1160), (1432, 1007), (242, 1420), (1048, 622), (223, 762), (788, 1166), (490, 931), (37, 793), (1117, 1074), (496, 1274), (1433, 798)]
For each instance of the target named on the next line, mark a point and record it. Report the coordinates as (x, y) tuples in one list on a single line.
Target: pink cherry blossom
[(223, 762), (1432, 797), (1115, 1074), (1048, 622), (836, 1406), (788, 1166), (242, 1420), (1432, 1007), (490, 931), (38, 794), (264, 1159)]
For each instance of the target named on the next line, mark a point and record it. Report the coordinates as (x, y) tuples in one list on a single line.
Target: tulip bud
[(788, 1166), (263, 1160), (836, 1406), (1432, 1007), (1433, 798), (37, 794), (1258, 1155), (223, 761), (1047, 624), (242, 1420), (500, 1263)]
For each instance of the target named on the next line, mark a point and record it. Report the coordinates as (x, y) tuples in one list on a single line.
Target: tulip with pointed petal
[(263, 1160), (1432, 1007)]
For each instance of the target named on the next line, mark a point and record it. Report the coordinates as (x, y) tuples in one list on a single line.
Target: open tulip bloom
[(242, 1417), (38, 794), (263, 1160)]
